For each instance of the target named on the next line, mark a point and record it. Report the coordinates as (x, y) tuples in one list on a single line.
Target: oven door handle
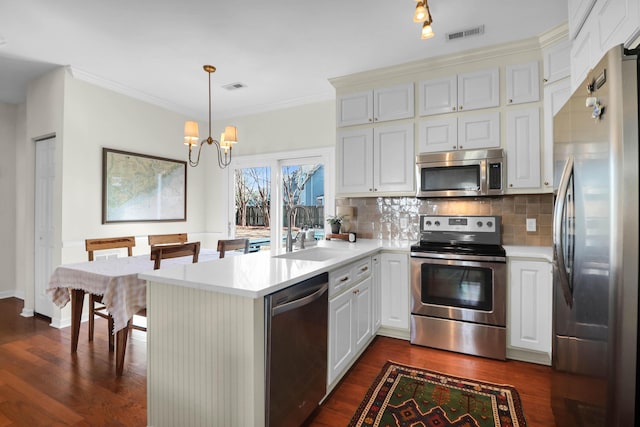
[(559, 262)]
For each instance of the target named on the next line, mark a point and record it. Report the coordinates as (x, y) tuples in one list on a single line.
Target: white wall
[(8, 120), (95, 118)]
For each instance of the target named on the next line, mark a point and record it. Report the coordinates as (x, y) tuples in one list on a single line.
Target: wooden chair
[(158, 253), (232, 245), (164, 239), (96, 308)]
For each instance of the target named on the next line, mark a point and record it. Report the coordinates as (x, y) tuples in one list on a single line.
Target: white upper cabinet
[(480, 89), (462, 92), (393, 158), (465, 132), (523, 148), (355, 108), (578, 12), (523, 83), (557, 62), (438, 96), (608, 23), (379, 159), (555, 96), (378, 105)]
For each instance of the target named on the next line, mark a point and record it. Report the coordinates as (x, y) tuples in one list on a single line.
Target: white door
[(393, 103), (438, 96), (354, 156), (43, 245), (523, 83), (395, 290), (438, 135), (523, 146), (341, 330), (363, 316), (479, 89), (355, 109), (477, 131), (393, 158)]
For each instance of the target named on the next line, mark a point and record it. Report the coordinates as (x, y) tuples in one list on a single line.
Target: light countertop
[(258, 274), (544, 252)]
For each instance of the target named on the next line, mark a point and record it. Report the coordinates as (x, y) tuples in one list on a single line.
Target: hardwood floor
[(42, 384)]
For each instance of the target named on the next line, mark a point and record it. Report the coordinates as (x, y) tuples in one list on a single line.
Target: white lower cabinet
[(350, 318), (530, 312), (394, 287)]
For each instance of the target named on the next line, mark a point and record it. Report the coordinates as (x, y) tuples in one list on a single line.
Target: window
[(266, 186)]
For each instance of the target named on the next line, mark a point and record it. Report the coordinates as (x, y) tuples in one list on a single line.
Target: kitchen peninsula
[(206, 339)]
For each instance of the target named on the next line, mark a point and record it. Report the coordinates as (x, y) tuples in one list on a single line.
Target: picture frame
[(142, 188)]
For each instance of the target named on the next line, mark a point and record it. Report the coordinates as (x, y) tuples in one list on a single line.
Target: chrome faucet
[(290, 213)]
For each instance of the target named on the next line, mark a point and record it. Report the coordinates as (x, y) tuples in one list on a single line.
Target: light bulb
[(421, 13), (427, 31)]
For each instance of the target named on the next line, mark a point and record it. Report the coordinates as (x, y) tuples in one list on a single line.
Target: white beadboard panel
[(205, 358)]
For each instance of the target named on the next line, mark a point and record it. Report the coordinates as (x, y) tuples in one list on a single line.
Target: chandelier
[(422, 14), (227, 138)]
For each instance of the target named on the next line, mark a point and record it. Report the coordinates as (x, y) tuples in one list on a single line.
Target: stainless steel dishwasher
[(296, 351)]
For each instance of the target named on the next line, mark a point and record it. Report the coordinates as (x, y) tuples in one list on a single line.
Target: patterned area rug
[(405, 396)]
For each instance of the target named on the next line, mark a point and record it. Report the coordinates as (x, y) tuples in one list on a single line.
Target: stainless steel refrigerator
[(595, 346)]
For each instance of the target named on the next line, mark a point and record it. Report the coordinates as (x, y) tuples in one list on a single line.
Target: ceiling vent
[(234, 86), (476, 31)]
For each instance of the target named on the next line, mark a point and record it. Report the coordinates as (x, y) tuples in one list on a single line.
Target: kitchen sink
[(313, 254)]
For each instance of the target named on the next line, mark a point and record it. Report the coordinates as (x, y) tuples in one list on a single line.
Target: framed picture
[(142, 188)]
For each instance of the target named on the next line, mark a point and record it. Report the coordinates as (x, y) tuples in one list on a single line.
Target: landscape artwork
[(138, 187)]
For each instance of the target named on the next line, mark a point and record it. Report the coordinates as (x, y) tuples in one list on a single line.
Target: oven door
[(467, 290)]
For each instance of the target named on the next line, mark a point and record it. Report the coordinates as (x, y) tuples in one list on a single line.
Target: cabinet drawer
[(349, 275), (361, 269), (340, 280)]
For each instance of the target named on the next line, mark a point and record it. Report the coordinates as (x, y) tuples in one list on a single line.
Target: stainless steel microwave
[(461, 173)]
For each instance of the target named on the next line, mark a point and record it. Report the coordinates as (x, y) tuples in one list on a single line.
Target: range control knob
[(479, 223), (437, 223), (489, 224), (428, 223)]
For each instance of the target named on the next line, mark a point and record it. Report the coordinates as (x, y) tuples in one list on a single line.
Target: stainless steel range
[(459, 285)]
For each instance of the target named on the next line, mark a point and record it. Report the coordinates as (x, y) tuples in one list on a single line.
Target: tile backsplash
[(397, 218)]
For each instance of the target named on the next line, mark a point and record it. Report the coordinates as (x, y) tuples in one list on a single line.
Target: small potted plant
[(336, 223)]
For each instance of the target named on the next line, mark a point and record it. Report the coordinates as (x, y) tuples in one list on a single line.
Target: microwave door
[(564, 232)]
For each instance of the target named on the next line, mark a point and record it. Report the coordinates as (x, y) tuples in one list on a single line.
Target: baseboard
[(402, 334), (531, 356), (27, 312), (12, 294)]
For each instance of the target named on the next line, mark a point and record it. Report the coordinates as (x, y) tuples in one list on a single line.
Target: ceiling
[(284, 51)]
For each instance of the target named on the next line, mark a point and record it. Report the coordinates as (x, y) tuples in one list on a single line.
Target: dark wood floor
[(42, 384)]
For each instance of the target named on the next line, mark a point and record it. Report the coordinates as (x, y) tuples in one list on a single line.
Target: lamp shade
[(230, 135), (191, 135), (421, 13), (427, 31)]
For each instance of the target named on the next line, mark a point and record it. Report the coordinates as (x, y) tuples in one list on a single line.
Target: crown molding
[(430, 64), (275, 106), (554, 35), (95, 80)]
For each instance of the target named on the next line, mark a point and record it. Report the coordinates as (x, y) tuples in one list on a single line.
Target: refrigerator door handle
[(559, 263)]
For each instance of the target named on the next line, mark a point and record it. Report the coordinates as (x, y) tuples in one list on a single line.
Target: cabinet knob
[(546, 183), (454, 147), (460, 147), (453, 108), (370, 119), (371, 189), (375, 119), (545, 80), (510, 185), (460, 107), (510, 101)]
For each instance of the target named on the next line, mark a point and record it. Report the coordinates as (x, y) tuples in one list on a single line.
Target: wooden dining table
[(116, 279)]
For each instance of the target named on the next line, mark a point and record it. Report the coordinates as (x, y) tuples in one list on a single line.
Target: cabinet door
[(530, 302), (523, 83), (363, 321), (578, 12), (375, 291), (582, 55), (479, 131), (395, 290), (393, 103), (523, 148), (480, 89), (438, 135), (438, 96), (557, 63), (393, 158), (555, 96), (617, 23), (354, 156), (355, 109), (341, 338)]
